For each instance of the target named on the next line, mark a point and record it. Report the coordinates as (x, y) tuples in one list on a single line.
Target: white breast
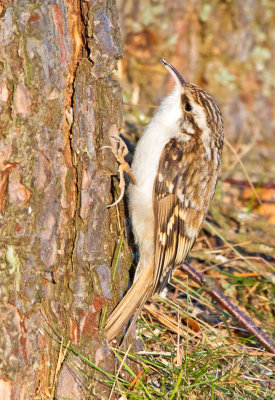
[(163, 127)]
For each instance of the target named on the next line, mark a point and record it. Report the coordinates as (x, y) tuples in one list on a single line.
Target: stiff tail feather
[(131, 303)]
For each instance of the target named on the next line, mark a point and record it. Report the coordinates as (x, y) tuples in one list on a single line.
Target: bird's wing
[(179, 209)]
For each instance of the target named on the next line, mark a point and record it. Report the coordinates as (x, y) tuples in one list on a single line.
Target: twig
[(242, 318)]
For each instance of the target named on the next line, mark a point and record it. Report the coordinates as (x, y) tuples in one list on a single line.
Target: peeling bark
[(58, 240)]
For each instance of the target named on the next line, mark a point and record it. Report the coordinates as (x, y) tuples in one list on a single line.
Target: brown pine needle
[(135, 381)]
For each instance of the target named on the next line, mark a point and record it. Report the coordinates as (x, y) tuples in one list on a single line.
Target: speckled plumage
[(176, 166)]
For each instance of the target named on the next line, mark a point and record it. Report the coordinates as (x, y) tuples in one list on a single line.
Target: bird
[(176, 166)]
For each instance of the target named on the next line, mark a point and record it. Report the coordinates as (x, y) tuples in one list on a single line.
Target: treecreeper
[(176, 166)]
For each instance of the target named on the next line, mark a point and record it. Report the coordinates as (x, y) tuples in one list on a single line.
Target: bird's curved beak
[(176, 75)]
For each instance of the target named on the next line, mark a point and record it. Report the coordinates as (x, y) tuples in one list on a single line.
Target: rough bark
[(58, 239)]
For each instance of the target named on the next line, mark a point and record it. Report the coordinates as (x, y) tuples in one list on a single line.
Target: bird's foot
[(120, 151)]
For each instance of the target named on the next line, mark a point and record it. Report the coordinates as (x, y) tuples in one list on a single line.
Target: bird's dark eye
[(188, 107)]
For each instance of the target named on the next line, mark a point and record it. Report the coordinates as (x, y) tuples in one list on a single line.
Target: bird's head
[(201, 115)]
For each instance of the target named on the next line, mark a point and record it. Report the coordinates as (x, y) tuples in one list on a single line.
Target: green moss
[(224, 77), (261, 55), (205, 12), (27, 64), (14, 261)]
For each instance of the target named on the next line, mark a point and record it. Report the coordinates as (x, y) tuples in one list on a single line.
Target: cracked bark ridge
[(57, 239)]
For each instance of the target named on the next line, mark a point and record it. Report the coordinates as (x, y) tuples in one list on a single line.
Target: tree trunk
[(59, 242)]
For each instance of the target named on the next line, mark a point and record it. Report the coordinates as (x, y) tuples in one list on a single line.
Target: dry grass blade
[(168, 322), (61, 357), (244, 170), (118, 372)]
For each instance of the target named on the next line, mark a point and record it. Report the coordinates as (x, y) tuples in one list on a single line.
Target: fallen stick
[(258, 185), (216, 294)]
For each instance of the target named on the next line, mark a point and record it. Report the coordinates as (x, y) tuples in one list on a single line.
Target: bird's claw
[(120, 151)]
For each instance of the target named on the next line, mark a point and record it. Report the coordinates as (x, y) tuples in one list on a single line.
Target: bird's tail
[(131, 303)]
